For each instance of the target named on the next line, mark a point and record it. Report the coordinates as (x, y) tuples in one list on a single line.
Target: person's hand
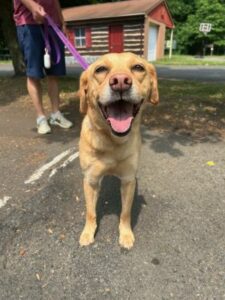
[(38, 13)]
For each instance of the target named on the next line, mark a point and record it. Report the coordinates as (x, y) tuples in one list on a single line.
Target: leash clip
[(47, 59)]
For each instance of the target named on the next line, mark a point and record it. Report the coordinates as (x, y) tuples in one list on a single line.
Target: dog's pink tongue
[(120, 126), (120, 116)]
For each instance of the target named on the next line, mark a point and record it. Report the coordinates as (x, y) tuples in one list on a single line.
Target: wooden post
[(171, 44)]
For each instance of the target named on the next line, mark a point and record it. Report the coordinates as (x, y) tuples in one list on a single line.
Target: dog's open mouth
[(119, 115)]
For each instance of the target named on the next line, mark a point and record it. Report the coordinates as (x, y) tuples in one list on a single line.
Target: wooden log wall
[(133, 33), (134, 38), (99, 41)]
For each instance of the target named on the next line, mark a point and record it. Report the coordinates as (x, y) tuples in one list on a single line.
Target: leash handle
[(83, 63)]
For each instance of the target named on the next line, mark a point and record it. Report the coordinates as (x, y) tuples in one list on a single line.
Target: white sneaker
[(58, 119), (42, 125)]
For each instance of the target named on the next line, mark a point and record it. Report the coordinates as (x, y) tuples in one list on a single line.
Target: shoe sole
[(60, 125), (46, 132)]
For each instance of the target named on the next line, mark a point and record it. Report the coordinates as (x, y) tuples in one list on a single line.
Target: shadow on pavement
[(12, 88), (169, 141), (109, 203)]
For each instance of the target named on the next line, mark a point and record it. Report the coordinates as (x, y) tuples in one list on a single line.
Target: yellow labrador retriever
[(113, 91)]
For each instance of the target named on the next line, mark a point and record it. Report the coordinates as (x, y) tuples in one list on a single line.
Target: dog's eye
[(101, 69), (138, 68)]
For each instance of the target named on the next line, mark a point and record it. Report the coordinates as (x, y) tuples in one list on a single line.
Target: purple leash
[(83, 63)]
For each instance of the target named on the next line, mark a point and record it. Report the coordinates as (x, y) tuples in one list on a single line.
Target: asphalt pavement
[(196, 73), (178, 217)]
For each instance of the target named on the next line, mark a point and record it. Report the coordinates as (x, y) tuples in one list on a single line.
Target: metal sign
[(205, 27), (168, 44)]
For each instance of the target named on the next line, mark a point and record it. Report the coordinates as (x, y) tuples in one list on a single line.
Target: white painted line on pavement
[(38, 173), (66, 162), (4, 201)]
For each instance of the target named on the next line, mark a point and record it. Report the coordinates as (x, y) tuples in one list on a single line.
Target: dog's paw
[(86, 238), (127, 240)]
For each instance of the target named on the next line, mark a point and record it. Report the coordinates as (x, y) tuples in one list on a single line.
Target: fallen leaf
[(210, 163), (22, 252), (62, 237), (50, 231), (38, 277)]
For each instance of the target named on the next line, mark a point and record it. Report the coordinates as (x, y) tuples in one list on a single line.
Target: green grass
[(5, 62), (191, 60)]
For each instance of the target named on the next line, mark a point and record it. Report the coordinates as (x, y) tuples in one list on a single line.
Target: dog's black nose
[(120, 82)]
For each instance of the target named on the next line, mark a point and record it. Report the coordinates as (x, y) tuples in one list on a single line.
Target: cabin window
[(80, 37)]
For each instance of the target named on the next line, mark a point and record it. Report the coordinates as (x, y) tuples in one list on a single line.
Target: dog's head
[(115, 88)]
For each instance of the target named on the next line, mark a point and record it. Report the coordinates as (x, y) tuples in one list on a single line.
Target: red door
[(116, 38)]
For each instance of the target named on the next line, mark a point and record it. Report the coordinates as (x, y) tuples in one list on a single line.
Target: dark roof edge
[(105, 17)]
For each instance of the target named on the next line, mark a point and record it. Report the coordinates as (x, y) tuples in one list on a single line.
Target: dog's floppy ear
[(154, 94), (83, 92)]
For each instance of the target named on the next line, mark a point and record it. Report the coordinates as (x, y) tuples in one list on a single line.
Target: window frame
[(80, 39)]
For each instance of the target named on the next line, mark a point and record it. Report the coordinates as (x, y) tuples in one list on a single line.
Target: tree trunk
[(9, 32)]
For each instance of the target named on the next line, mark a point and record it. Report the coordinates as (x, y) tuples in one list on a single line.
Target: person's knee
[(52, 80), (33, 83)]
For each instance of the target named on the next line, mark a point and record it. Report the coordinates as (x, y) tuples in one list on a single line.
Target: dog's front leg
[(126, 238), (91, 196)]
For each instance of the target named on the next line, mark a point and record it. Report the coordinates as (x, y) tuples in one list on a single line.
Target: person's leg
[(56, 70), (56, 117), (53, 92), (35, 92), (32, 45)]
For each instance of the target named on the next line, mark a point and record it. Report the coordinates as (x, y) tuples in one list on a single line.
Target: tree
[(180, 9), (9, 34), (188, 18), (207, 11)]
